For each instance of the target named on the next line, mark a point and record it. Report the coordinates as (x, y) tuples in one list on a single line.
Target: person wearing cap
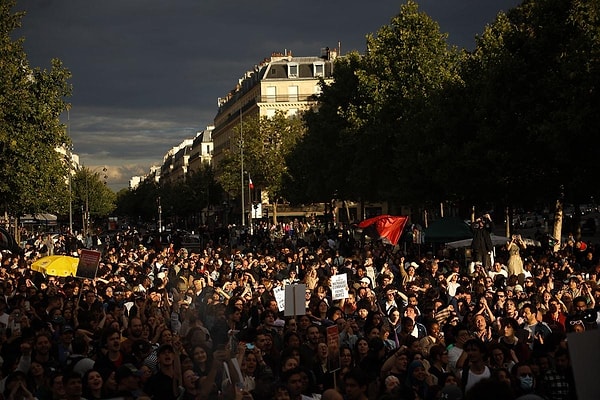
[(62, 347), (365, 282), (519, 293), (128, 382), (390, 300), (163, 385), (451, 392), (408, 273)]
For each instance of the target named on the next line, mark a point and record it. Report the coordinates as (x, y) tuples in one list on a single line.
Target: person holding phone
[(515, 263)]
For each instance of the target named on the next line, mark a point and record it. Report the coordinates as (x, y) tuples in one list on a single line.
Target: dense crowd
[(163, 322)]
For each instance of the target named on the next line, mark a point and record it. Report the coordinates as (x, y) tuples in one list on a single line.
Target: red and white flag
[(386, 227), (250, 184)]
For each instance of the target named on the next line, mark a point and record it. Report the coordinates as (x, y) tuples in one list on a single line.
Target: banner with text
[(339, 287), (88, 264), (279, 294)]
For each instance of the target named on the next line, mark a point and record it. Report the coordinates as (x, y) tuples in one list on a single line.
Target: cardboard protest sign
[(584, 348), (371, 274), (294, 300), (333, 348), (339, 287), (279, 294), (88, 264)]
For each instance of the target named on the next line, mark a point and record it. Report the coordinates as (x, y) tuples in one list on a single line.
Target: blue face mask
[(526, 382)]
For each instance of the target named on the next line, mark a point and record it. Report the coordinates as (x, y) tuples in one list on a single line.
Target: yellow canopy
[(56, 265)]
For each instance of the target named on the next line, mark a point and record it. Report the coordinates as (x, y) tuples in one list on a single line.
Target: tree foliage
[(320, 163), (415, 121), (267, 142), (32, 173), (90, 193), (179, 200), (366, 132), (140, 203), (533, 80)]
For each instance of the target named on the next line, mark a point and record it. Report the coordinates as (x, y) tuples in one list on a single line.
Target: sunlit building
[(281, 82)]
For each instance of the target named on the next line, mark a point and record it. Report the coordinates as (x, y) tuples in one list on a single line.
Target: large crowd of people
[(164, 322)]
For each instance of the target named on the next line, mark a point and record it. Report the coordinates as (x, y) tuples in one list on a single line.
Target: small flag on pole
[(250, 184)]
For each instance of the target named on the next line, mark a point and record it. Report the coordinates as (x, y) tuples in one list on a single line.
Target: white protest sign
[(295, 304), (280, 297), (371, 274), (339, 287)]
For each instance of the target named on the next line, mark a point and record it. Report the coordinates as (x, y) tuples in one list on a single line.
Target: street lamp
[(242, 165), (69, 161), (159, 215)]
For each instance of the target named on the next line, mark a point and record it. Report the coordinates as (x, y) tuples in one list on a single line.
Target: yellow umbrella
[(56, 265)]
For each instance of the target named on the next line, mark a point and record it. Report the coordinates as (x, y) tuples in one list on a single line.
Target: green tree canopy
[(32, 173), (91, 193), (533, 84), (367, 138), (416, 121), (266, 145)]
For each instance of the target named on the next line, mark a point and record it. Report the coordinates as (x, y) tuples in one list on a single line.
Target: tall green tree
[(372, 120), (319, 164), (90, 193), (408, 62), (267, 142), (533, 83), (32, 173), (140, 203), (190, 196)]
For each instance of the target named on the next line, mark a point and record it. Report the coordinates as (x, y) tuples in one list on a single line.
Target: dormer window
[(319, 69), (292, 70)]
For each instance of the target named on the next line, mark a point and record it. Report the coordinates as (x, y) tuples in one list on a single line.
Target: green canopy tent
[(447, 229)]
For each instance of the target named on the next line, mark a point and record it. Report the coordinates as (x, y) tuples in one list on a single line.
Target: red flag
[(250, 184), (387, 226)]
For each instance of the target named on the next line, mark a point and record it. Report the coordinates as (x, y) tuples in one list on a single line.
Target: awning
[(42, 219)]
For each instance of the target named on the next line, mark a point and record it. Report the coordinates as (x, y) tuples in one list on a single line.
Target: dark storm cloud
[(147, 73)]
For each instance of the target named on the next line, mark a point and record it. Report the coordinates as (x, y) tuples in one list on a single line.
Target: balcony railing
[(286, 98)]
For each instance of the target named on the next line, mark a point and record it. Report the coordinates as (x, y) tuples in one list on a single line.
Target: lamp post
[(69, 160), (242, 166), (70, 205), (159, 215)]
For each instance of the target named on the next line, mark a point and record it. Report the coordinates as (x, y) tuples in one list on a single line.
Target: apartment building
[(281, 82)]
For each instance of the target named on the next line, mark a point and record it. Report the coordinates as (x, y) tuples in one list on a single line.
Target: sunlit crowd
[(163, 321)]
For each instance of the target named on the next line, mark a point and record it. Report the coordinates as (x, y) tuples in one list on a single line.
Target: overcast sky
[(147, 73)]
